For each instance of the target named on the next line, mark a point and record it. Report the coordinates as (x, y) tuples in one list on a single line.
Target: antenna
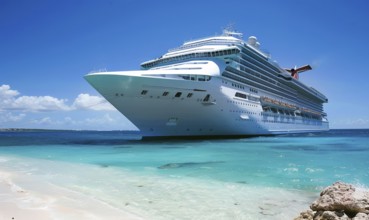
[(230, 27), (229, 30)]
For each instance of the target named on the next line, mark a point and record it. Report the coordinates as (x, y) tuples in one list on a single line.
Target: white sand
[(45, 189), (51, 202)]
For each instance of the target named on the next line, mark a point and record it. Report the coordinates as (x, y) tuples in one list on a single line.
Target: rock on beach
[(341, 201)]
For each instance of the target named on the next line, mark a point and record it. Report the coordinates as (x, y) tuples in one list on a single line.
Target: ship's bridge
[(201, 53), (197, 70)]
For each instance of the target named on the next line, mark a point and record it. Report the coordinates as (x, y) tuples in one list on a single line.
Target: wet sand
[(45, 189), (41, 200)]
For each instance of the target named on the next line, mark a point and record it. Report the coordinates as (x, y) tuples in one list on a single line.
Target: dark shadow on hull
[(198, 137), (227, 137)]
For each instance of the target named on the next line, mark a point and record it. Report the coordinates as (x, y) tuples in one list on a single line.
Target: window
[(165, 93), (201, 78), (253, 90), (241, 95), (189, 95), (187, 77), (178, 94), (207, 97), (255, 99), (144, 92)]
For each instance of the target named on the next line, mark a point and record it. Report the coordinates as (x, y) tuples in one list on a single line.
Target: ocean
[(274, 177)]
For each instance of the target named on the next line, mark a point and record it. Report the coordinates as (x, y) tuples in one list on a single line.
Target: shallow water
[(251, 178)]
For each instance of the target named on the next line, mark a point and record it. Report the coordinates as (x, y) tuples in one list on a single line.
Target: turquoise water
[(300, 162), (304, 163)]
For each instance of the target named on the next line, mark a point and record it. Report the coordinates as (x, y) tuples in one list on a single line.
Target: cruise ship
[(219, 86)]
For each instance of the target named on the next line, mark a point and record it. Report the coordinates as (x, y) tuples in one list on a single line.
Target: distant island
[(56, 130), (29, 129)]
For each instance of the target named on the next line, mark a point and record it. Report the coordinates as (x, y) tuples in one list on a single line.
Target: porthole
[(178, 94)]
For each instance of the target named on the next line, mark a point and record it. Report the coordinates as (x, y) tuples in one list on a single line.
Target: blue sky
[(46, 47)]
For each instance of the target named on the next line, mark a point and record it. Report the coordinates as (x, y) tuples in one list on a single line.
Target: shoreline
[(18, 202), (69, 175), (47, 189)]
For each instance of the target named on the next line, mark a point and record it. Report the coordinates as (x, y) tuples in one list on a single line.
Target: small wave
[(359, 185), (291, 169), (312, 170), (296, 147), (187, 164)]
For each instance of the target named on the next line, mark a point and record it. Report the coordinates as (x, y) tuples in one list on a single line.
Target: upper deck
[(231, 46)]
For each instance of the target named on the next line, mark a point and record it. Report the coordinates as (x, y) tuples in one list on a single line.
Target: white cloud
[(98, 122), (45, 120), (101, 120), (84, 112), (89, 102), (6, 92), (11, 100), (9, 117), (39, 103), (69, 120)]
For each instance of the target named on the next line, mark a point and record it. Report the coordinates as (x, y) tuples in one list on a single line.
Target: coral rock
[(340, 201), (307, 215), (342, 197)]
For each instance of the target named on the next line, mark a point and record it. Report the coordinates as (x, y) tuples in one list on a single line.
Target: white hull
[(216, 86), (223, 115)]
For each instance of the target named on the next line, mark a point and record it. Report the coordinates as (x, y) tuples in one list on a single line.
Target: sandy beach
[(261, 178), (40, 200), (92, 192)]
